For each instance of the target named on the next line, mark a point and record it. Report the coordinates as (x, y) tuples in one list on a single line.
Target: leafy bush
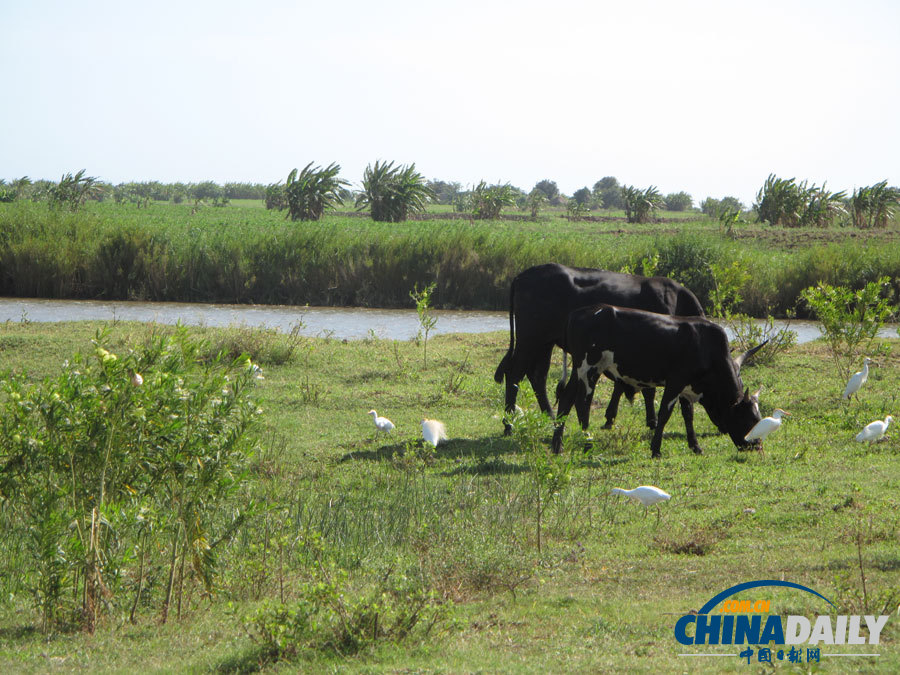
[(850, 319), (275, 197), (713, 207), (488, 200), (331, 615), (689, 261), (550, 473), (117, 469), (678, 201), (576, 210), (748, 333), (427, 320), (534, 201)]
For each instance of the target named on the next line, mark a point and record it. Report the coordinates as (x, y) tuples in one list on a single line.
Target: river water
[(350, 323)]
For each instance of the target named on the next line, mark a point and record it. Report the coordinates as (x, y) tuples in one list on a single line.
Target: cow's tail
[(504, 363)]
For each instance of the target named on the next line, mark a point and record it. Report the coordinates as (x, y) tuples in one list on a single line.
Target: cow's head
[(742, 417), (733, 412), (735, 418)]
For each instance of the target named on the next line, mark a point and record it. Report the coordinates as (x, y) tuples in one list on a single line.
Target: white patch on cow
[(690, 395), (583, 371), (606, 360), (637, 384)]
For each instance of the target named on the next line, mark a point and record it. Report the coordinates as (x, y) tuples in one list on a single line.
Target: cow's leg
[(583, 402), (512, 391), (670, 393), (687, 412), (612, 408), (567, 398), (514, 374), (537, 375), (649, 406)]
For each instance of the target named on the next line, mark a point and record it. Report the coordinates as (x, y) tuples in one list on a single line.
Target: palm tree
[(392, 193), (875, 205), (639, 204), (822, 206), (313, 190), (74, 191)]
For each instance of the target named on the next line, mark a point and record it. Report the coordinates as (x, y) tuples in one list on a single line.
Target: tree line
[(391, 193)]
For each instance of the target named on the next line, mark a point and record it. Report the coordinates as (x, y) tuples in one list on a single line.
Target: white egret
[(382, 424), (857, 380), (648, 495), (765, 426), (433, 432), (874, 431)]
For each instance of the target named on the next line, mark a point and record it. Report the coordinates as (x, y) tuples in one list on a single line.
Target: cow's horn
[(739, 361)]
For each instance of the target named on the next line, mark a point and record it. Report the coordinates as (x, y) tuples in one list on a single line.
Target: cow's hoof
[(507, 429), (651, 425), (697, 450), (608, 425), (655, 455)]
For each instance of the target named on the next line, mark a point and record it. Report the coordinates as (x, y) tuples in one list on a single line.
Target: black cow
[(687, 355), (540, 299)]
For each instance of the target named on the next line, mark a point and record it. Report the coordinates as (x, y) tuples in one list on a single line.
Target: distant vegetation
[(244, 254), (395, 193), (158, 241)]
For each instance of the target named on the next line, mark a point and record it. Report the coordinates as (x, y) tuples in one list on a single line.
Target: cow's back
[(544, 295), (645, 341)]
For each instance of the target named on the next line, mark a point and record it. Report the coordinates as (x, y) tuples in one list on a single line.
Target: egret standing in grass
[(648, 495), (765, 426), (433, 432), (382, 424), (857, 380), (874, 431)]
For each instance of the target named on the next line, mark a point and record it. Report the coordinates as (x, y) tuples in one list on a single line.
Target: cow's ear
[(756, 393), (747, 392)]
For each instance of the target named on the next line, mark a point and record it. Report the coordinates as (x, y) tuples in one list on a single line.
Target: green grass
[(247, 254), (609, 585)]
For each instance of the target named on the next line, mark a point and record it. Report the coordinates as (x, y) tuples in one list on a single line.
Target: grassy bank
[(246, 254), (600, 590)]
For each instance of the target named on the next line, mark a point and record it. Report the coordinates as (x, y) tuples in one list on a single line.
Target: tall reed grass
[(245, 255)]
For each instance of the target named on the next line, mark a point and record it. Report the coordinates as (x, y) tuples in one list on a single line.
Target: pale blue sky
[(703, 96)]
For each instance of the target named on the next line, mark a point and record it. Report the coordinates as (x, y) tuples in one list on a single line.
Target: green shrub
[(850, 319), (117, 468), (488, 200), (331, 615)]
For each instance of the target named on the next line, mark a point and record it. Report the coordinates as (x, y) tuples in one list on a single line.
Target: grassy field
[(602, 587), (245, 254)]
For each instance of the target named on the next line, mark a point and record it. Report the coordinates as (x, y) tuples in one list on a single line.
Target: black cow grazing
[(688, 356), (540, 300)]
